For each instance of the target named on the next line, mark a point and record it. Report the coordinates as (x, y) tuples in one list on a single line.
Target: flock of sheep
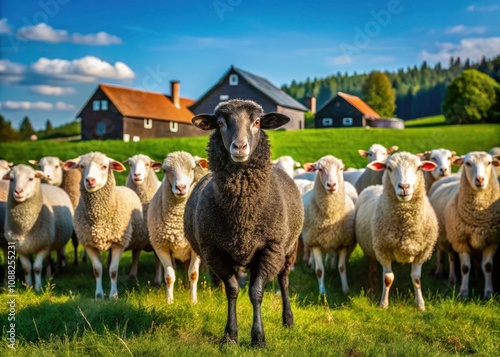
[(239, 210)]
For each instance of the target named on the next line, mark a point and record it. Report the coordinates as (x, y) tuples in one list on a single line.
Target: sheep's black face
[(240, 123)]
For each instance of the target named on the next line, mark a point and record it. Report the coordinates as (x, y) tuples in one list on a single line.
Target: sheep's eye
[(104, 168), (488, 163), (81, 166), (220, 123), (389, 168), (31, 178), (147, 165), (57, 166), (468, 164), (257, 123)]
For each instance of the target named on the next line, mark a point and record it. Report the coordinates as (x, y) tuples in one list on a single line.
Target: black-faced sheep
[(245, 213)]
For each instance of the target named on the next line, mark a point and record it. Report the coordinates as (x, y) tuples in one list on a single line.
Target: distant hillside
[(419, 90), (67, 130)]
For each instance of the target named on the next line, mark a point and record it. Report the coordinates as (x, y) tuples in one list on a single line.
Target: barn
[(114, 112), (344, 111), (239, 84)]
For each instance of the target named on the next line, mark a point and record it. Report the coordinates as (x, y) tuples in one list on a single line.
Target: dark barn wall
[(296, 118), (338, 109), (102, 124), (160, 129)]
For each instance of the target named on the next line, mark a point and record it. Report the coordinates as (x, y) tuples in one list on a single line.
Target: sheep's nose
[(18, 191), (479, 180), (181, 188), (444, 170), (404, 186), (240, 144), (47, 176), (90, 181), (137, 175), (331, 186)]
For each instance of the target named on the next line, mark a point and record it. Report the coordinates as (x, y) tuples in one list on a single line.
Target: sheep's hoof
[(132, 277), (157, 285), (421, 307), (99, 296), (488, 295), (345, 292), (384, 305), (258, 344), (226, 340), (464, 294)]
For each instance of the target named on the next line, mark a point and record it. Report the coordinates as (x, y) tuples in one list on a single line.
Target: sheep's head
[(478, 168), (330, 172), (140, 166), (240, 123), (442, 158), (95, 167), (180, 172), (52, 167), (287, 164), (377, 152), (5, 167), (403, 172), (25, 181)]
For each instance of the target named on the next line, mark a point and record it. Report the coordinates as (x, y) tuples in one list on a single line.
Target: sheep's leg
[(116, 254), (439, 263), (166, 261), (320, 269), (487, 265), (48, 270), (158, 271), (452, 278), (256, 294), (194, 271), (26, 264), (37, 267), (95, 258), (388, 279), (74, 240), (342, 270), (416, 275), (465, 265), (135, 264), (287, 309)]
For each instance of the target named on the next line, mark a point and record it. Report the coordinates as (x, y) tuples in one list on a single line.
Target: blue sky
[(55, 52)]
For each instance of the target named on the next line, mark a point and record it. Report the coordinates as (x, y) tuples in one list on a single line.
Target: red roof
[(358, 103), (152, 105)]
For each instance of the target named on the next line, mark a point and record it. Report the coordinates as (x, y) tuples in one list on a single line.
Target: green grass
[(65, 320), (428, 121)]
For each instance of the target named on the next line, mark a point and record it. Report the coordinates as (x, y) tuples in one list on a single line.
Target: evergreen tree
[(26, 128), (470, 98), (48, 126), (379, 94), (7, 132)]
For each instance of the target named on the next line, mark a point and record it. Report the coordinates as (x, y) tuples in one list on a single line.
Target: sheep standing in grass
[(166, 218), (69, 181), (472, 215), (38, 219), (107, 217), (245, 213), (328, 218), (143, 180), (376, 152), (442, 157), (396, 222)]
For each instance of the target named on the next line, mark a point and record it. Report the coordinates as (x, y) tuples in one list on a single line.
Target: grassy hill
[(65, 320)]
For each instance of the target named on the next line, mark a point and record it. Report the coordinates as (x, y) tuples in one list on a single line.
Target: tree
[(48, 126), (379, 94), (470, 98), (26, 128), (308, 120), (7, 132)]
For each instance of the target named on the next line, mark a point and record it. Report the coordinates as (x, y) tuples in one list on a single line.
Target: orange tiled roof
[(142, 104), (358, 103)]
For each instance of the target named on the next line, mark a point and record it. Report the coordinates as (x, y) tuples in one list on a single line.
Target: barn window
[(96, 105), (327, 121), (136, 138), (104, 105), (148, 123), (223, 97), (347, 121), (233, 80), (174, 127), (126, 138)]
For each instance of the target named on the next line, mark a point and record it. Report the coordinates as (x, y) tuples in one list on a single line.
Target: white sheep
[(442, 157), (38, 220), (166, 218), (396, 222), (472, 215), (376, 152), (143, 180), (107, 217), (5, 167), (287, 164), (328, 218), (305, 183), (493, 152)]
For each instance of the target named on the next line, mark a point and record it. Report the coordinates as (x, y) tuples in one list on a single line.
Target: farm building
[(348, 111), (239, 84), (114, 112)]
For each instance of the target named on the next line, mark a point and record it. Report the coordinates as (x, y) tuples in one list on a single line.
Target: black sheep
[(245, 213)]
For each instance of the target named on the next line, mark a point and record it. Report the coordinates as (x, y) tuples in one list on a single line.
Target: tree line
[(420, 90)]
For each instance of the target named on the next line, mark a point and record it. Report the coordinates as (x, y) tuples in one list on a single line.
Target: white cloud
[(339, 60), (45, 33), (11, 72), (40, 105), (52, 90), (464, 30), (483, 8), (472, 48), (85, 69), (4, 26)]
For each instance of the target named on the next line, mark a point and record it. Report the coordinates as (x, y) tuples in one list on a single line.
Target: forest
[(419, 91)]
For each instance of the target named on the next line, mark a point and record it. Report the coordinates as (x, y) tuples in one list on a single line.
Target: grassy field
[(428, 121), (65, 320)]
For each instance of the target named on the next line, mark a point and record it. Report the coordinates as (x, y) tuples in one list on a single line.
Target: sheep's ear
[(392, 149), (70, 164), (297, 164), (420, 155), (457, 160), (40, 174), (376, 165), (273, 120), (116, 166), (453, 153), (6, 177), (10, 164), (156, 166), (274, 162), (496, 160), (33, 162), (363, 153), (205, 121), (309, 167), (428, 165), (126, 161)]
